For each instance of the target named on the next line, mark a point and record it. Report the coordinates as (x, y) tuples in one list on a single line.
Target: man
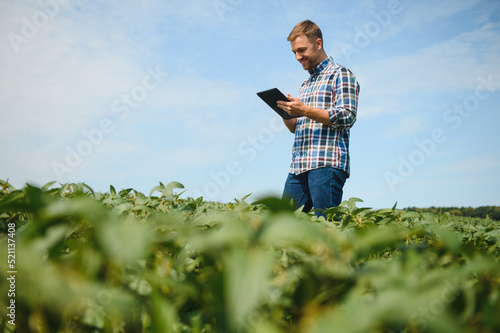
[(326, 106)]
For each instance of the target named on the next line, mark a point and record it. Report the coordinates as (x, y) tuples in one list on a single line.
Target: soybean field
[(75, 260)]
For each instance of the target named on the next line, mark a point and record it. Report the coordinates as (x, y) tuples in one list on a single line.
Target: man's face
[(307, 52)]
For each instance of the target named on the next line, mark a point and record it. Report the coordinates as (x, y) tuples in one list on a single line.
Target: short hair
[(308, 28)]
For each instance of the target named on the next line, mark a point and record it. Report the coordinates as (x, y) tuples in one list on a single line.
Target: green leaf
[(112, 191), (246, 283), (124, 242), (47, 186), (169, 190), (346, 221), (164, 315), (448, 238), (359, 210), (275, 204), (158, 188), (286, 230)]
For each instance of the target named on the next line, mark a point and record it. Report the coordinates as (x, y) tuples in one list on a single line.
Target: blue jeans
[(318, 188)]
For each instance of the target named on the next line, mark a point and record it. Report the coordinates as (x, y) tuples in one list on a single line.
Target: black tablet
[(271, 97)]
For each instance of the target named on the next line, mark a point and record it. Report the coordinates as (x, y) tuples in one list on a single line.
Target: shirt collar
[(322, 65)]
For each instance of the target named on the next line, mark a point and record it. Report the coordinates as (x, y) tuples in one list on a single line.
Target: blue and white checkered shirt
[(335, 88)]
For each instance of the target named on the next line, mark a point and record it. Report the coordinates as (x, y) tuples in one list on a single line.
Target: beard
[(310, 63)]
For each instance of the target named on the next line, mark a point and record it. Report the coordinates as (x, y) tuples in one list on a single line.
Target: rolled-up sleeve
[(346, 91)]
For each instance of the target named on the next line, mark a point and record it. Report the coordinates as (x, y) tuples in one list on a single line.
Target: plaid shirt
[(335, 88)]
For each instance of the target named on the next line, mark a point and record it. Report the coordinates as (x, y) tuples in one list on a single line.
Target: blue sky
[(131, 93)]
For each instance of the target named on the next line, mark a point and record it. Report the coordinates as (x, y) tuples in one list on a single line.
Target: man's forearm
[(319, 115), (290, 124)]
